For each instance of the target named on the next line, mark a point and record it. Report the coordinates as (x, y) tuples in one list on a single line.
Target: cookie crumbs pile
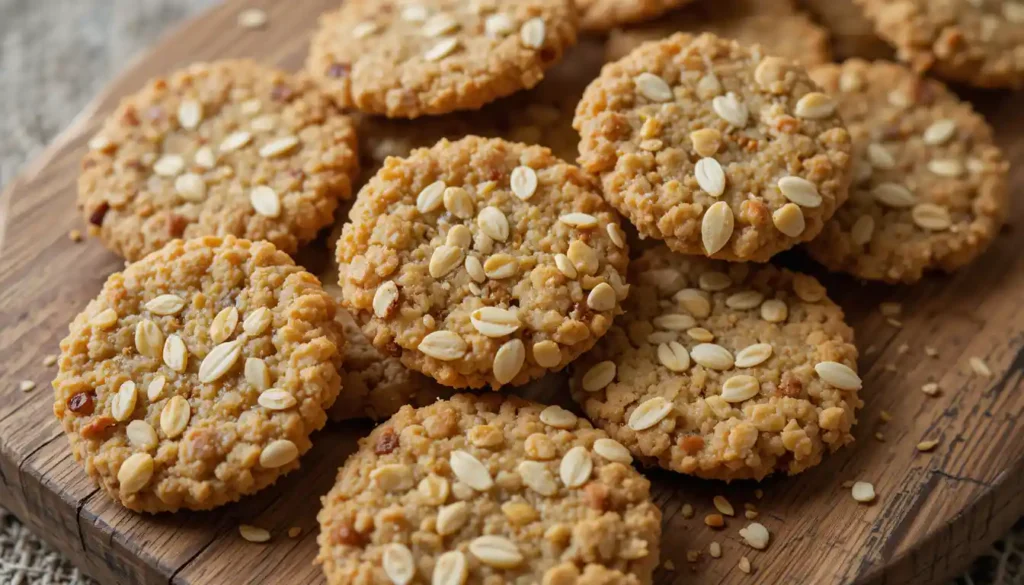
[(474, 256)]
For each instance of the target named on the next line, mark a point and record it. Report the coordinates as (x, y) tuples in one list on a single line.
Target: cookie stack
[(477, 256)]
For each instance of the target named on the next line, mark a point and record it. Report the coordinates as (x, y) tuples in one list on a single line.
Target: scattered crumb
[(902, 349), (931, 351), (750, 514), (759, 493), (931, 389), (870, 350), (890, 368), (863, 492), (880, 437), (715, 550), (687, 511), (980, 367), (745, 565), (749, 506), (894, 322), (925, 446), (884, 416), (847, 484), (714, 520), (755, 535), (692, 556), (890, 309), (253, 533), (669, 565), (49, 360), (75, 236), (252, 18), (294, 532), (723, 506), (27, 386)]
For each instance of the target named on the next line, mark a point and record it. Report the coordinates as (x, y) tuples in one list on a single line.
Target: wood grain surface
[(934, 513)]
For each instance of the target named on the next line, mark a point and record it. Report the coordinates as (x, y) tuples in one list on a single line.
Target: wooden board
[(935, 512)]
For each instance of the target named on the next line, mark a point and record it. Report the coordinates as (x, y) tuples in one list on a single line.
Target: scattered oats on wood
[(715, 550), (885, 416), (254, 533), (931, 351), (931, 389), (979, 367), (745, 565), (925, 446), (294, 532), (26, 385), (902, 349), (714, 520), (756, 535), (880, 437), (692, 556), (252, 18), (863, 492), (750, 514), (687, 511), (49, 360), (669, 565), (75, 235), (723, 506)]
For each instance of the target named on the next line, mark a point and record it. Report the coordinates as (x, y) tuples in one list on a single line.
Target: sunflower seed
[(174, 416), (939, 132), (700, 334), (731, 109), (442, 49), (613, 450), (498, 25), (444, 259), (740, 388), (880, 157), (576, 467), (175, 354), (789, 219), (124, 401), (599, 376), (135, 472), (431, 197), (508, 360), (710, 176), (674, 356), (649, 413), (524, 182), (149, 340), (235, 140), (533, 32), (712, 356), (894, 195), (278, 454), (279, 147), (862, 230), (616, 235), (800, 191), (653, 87), (931, 217), (815, 106), (722, 505), (470, 471), (716, 227), (838, 375), (951, 168)]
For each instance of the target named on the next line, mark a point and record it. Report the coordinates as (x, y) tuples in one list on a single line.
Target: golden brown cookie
[(723, 371), (603, 15), (489, 489), (437, 56), (979, 42), (930, 190), (482, 262), (776, 25), (715, 148), (852, 33), (198, 374), (229, 147)]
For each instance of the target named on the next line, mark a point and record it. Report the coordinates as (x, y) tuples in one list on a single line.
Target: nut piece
[(458, 201), (532, 33), (653, 87), (863, 492), (576, 467), (815, 106), (717, 226), (431, 197), (613, 450), (838, 375), (123, 403), (753, 355), (712, 356), (223, 325), (547, 353), (578, 220), (450, 569), (706, 141), (599, 376), (710, 176), (674, 356), (602, 298), (649, 413), (175, 353), (524, 182), (537, 477), (135, 472), (141, 435), (508, 360), (894, 195), (394, 478), (278, 454), (493, 223), (219, 361), (149, 340), (729, 108), (452, 517), (558, 417), (800, 191), (774, 311), (740, 388), (166, 305), (265, 201), (756, 535), (276, 399), (470, 471), (723, 506), (444, 259), (253, 534), (398, 563), (384, 298), (495, 322), (174, 417), (789, 219), (443, 345)]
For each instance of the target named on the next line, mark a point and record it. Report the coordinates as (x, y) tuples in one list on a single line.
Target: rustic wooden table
[(55, 55)]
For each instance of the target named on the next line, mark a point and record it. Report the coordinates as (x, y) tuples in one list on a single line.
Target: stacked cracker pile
[(477, 255)]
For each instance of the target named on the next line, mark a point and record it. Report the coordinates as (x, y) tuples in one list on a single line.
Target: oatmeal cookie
[(198, 374), (852, 33), (714, 147), (223, 148), (437, 56), (376, 385), (776, 25), (930, 187), (979, 42), (489, 489), (603, 15), (723, 371), (482, 262)]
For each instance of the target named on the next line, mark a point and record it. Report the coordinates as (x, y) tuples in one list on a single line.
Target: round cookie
[(737, 156), (437, 56), (723, 371), (776, 25), (482, 262), (603, 15), (979, 42), (852, 33), (198, 374), (930, 187), (489, 489), (376, 385), (223, 148)]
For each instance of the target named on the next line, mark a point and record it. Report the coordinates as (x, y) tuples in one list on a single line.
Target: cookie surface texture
[(224, 148), (482, 262), (602, 15), (930, 187), (489, 490), (198, 374), (437, 56), (978, 42), (776, 25), (715, 148), (723, 371)]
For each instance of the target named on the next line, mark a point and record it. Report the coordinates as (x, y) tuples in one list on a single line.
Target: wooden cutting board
[(934, 513)]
